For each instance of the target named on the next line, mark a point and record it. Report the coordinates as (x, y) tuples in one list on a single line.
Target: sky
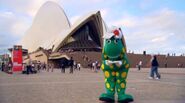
[(154, 26)]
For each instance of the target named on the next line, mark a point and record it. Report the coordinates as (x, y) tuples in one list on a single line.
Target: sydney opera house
[(52, 38), (51, 34)]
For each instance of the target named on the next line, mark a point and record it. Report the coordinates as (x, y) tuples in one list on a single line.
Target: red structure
[(17, 58)]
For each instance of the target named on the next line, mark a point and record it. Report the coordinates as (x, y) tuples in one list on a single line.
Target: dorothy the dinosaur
[(115, 67)]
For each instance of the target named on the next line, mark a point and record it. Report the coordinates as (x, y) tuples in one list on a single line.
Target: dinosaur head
[(113, 47), (113, 44)]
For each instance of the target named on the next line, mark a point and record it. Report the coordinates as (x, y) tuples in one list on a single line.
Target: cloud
[(159, 31), (127, 21), (13, 24), (159, 39), (19, 28), (73, 19), (12, 27), (28, 7), (15, 18), (162, 38)]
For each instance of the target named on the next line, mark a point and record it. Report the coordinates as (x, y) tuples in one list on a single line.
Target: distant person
[(39, 66), (75, 65), (71, 61), (93, 65), (29, 68), (79, 66), (63, 67), (10, 65), (139, 65), (52, 67), (154, 68), (33, 66), (165, 65), (33, 70), (44, 66), (96, 67), (2, 66), (48, 67), (178, 65)]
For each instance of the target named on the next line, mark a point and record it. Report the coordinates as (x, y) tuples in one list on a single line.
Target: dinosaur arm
[(124, 59)]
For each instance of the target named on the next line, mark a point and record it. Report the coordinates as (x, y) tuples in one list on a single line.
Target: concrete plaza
[(85, 86)]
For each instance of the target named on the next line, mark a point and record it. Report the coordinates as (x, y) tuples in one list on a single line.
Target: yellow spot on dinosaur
[(107, 74), (122, 85), (107, 85), (127, 66), (102, 66), (118, 81), (123, 74), (113, 73), (105, 56), (117, 74)]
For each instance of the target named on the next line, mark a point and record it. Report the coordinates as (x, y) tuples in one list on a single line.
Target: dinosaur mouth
[(113, 57)]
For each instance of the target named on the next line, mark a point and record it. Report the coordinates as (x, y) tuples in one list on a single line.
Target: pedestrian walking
[(63, 67), (154, 68), (2, 66), (96, 67), (52, 67), (10, 65), (93, 66), (44, 66), (28, 67), (38, 66), (79, 66), (47, 67), (71, 61), (139, 65)]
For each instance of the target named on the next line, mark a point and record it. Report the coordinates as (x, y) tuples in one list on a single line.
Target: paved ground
[(85, 86)]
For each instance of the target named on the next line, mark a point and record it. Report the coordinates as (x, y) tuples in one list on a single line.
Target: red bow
[(116, 32)]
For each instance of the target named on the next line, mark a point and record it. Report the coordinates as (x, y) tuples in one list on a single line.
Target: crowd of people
[(6, 66), (73, 65), (35, 67), (95, 66)]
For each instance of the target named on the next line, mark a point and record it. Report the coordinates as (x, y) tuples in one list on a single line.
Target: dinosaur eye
[(116, 41), (108, 41)]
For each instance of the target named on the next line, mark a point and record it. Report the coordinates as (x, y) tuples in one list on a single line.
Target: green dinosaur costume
[(115, 67)]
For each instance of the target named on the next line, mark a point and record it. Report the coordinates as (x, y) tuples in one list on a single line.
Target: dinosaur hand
[(108, 62), (118, 63)]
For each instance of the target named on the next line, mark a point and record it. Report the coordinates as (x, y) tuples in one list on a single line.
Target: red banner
[(17, 58)]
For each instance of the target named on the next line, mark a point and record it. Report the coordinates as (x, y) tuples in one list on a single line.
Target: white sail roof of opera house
[(95, 16), (49, 21), (51, 27)]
